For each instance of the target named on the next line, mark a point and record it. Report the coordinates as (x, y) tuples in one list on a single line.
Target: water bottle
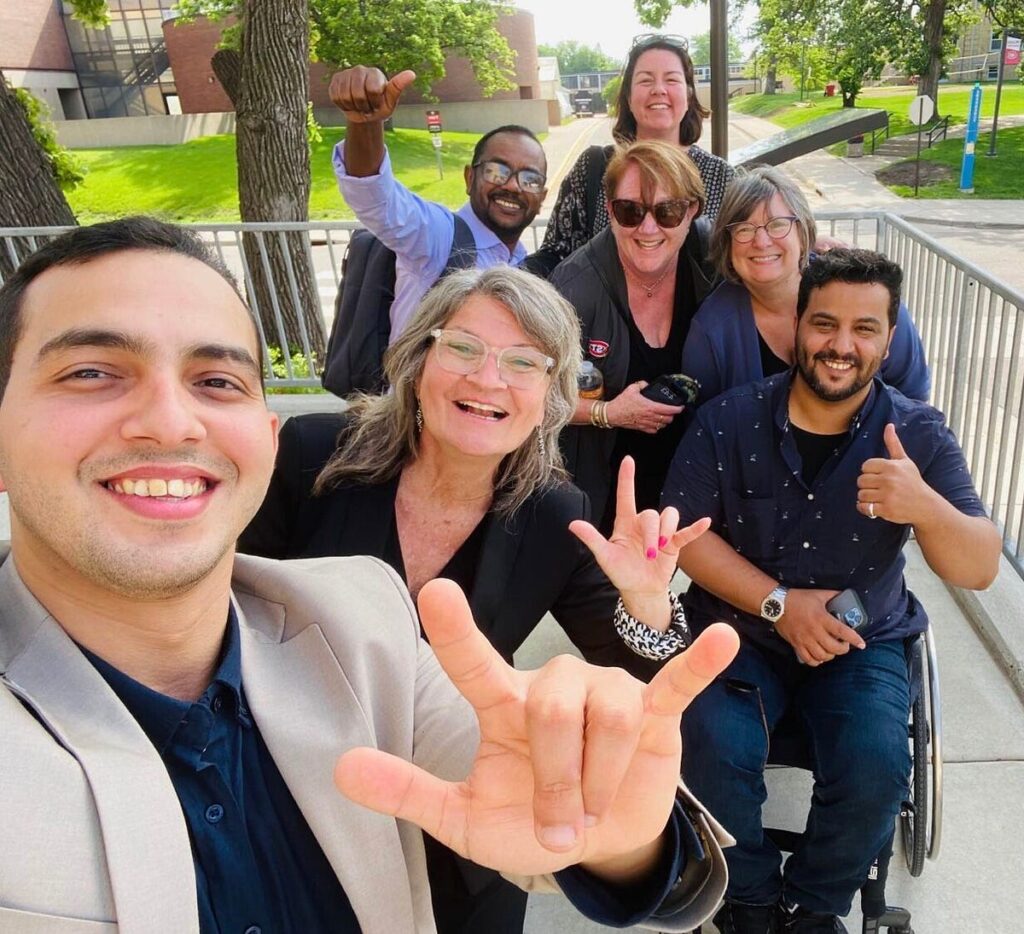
[(591, 381)]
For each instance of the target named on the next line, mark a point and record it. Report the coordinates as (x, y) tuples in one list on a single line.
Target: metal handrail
[(972, 326)]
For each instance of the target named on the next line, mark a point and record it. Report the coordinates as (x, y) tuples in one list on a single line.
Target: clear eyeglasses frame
[(463, 353)]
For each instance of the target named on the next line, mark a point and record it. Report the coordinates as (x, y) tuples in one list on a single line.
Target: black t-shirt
[(770, 363), (653, 453), (814, 450)]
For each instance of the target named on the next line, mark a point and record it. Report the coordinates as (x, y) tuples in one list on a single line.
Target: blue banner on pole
[(970, 139)]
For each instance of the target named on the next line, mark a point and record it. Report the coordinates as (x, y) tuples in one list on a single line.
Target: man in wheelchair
[(813, 480)]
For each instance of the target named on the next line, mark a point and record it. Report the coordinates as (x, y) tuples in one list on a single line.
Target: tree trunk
[(271, 87), (29, 193), (769, 75), (929, 83)]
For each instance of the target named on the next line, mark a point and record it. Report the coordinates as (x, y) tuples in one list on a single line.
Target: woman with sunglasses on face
[(657, 101), (635, 287), (746, 329), (457, 473)]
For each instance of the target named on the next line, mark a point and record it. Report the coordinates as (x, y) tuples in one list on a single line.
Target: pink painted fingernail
[(652, 553), (662, 541)]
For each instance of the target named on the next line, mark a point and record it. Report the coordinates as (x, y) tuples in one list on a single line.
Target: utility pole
[(720, 78)]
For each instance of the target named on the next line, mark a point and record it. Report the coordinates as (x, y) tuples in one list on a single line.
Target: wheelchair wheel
[(914, 813)]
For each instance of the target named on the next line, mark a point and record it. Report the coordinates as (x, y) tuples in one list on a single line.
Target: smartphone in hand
[(672, 389), (847, 608)]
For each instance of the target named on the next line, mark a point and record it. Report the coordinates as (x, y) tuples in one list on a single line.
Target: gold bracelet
[(599, 415)]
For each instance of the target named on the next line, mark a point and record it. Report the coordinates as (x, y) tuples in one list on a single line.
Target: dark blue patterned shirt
[(738, 463)]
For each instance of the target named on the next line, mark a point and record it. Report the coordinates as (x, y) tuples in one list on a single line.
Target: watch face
[(772, 608)]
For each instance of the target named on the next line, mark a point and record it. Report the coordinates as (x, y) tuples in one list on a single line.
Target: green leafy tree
[(574, 58), (610, 93), (393, 35), (262, 66), (700, 49), (33, 167)]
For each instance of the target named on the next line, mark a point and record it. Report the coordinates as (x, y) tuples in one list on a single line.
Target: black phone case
[(672, 389)]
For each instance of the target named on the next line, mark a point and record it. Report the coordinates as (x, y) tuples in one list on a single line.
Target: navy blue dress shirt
[(739, 464), (259, 869)]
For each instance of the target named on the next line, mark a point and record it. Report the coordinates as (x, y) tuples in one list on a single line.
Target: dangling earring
[(419, 417), (541, 446)]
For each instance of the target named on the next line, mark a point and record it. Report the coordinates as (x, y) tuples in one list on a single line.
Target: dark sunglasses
[(666, 214), (497, 173), (653, 38)]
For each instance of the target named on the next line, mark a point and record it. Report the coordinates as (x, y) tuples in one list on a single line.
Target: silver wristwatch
[(774, 605)]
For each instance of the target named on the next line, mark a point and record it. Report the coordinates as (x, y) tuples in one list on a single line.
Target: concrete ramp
[(835, 127)]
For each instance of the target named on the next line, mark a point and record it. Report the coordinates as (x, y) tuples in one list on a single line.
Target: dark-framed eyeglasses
[(667, 214), (464, 353), (776, 227), (497, 173), (653, 38)]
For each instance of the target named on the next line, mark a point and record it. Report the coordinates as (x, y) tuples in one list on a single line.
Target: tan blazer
[(94, 837)]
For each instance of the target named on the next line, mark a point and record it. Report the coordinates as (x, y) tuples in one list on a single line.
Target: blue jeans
[(855, 710)]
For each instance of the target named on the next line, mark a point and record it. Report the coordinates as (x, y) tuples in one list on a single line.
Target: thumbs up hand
[(364, 95), (892, 488)]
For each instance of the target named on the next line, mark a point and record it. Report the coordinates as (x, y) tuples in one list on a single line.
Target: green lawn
[(999, 177), (954, 99), (197, 181)]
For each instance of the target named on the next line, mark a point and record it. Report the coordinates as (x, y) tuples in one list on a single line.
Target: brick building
[(144, 63)]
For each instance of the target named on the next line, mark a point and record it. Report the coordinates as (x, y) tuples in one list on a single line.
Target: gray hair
[(383, 438), (749, 189)]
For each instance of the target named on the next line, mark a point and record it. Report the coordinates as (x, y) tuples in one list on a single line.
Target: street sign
[(434, 121), (436, 140), (1012, 56), (922, 109)]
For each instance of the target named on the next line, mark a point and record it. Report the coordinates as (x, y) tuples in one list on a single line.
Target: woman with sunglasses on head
[(635, 287), (745, 331), (657, 101), (457, 473)]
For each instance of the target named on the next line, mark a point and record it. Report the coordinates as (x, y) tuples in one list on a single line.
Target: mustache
[(507, 196), (830, 356)]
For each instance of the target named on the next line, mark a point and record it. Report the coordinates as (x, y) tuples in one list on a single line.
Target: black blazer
[(528, 565)]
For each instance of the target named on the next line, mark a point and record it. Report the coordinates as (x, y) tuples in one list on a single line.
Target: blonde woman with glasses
[(457, 473)]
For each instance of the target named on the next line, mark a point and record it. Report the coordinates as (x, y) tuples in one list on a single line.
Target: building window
[(996, 42), (993, 72)]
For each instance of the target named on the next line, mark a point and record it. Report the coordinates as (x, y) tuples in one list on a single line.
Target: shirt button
[(807, 544), (810, 496), (214, 813), (253, 929), (218, 702)]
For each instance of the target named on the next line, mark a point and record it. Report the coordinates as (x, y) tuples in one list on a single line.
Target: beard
[(862, 372)]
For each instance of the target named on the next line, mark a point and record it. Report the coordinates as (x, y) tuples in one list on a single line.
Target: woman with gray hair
[(456, 472), (745, 330)]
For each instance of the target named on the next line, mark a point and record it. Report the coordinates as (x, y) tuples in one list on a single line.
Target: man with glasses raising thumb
[(506, 184)]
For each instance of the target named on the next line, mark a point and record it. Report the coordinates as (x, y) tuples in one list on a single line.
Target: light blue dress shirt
[(419, 232)]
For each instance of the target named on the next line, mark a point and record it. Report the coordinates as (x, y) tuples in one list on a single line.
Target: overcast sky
[(610, 24)]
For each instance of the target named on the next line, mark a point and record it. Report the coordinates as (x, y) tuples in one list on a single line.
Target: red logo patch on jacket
[(597, 348)]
